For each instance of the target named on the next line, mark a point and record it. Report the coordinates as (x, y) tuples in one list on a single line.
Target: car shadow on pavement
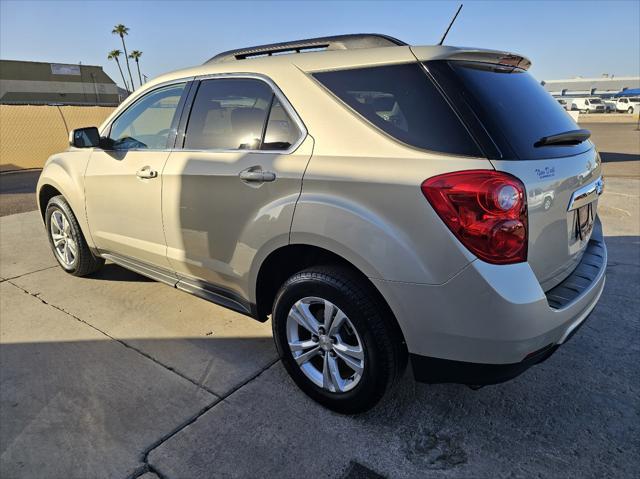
[(96, 406), (607, 156)]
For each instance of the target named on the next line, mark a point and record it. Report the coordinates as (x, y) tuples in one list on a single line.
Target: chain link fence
[(29, 134)]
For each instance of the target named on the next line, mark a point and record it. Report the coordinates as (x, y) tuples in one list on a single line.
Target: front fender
[(65, 173)]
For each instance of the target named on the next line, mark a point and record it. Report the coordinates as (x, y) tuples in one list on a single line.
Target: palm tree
[(136, 54), (121, 30), (113, 55)]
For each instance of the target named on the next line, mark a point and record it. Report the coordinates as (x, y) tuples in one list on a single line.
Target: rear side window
[(514, 108), (238, 114), (281, 133), (403, 102)]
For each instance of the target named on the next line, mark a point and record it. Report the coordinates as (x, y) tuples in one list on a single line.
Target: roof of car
[(337, 52)]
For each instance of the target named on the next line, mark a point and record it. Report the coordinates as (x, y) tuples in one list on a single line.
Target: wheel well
[(288, 260), (44, 195)]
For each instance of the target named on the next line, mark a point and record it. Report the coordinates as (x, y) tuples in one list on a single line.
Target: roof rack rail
[(337, 42)]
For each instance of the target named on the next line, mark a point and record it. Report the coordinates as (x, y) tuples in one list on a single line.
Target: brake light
[(485, 209)]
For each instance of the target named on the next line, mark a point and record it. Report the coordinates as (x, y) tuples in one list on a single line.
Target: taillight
[(485, 209)]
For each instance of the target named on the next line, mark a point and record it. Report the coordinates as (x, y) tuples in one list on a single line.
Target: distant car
[(588, 105), (628, 105), (610, 105)]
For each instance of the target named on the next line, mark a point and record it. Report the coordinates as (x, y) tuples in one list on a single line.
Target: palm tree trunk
[(126, 57), (139, 76), (126, 87)]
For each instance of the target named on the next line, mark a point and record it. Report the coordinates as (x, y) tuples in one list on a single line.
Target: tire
[(69, 246), (547, 203), (630, 110), (368, 327)]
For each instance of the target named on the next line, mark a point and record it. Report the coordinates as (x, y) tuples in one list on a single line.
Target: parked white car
[(610, 105), (588, 105), (628, 105)]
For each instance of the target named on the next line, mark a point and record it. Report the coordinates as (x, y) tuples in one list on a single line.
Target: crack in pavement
[(27, 273), (145, 466)]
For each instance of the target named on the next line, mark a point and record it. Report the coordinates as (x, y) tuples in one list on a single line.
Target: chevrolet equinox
[(378, 201)]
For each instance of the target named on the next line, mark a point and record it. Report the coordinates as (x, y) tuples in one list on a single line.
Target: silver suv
[(380, 202)]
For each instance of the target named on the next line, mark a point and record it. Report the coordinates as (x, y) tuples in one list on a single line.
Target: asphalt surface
[(619, 147), (17, 191), (118, 376)]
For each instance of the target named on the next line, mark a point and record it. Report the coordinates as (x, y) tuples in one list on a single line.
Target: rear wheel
[(335, 339), (67, 241), (630, 110)]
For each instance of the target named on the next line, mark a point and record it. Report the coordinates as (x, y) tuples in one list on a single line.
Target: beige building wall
[(29, 134)]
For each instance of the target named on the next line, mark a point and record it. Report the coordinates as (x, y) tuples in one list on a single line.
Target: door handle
[(146, 173), (255, 175)]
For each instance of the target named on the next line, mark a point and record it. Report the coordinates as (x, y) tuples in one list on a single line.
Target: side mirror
[(85, 137)]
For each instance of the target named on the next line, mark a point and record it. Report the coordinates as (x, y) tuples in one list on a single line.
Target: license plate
[(584, 222)]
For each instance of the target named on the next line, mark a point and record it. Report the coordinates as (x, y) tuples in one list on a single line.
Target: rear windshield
[(595, 100), (403, 102), (512, 106)]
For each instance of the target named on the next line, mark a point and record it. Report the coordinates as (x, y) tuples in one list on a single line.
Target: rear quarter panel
[(361, 196)]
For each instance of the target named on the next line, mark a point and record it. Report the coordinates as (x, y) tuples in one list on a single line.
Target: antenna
[(450, 25)]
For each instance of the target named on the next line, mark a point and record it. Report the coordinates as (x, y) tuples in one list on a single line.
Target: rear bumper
[(490, 323), (435, 370)]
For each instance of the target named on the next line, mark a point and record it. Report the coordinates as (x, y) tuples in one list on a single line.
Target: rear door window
[(238, 114), (228, 114), (402, 101), (514, 108)]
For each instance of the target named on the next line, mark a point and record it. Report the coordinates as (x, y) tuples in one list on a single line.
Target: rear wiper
[(573, 137)]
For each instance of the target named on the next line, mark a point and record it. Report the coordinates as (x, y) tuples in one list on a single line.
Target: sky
[(564, 39)]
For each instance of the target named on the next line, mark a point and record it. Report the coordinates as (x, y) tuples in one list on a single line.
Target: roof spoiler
[(337, 42), (507, 59)]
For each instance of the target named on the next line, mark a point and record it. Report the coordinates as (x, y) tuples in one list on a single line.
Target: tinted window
[(281, 132), (228, 114), (402, 101), (147, 123), (512, 106)]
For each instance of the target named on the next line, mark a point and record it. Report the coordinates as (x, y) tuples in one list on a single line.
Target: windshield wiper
[(573, 137)]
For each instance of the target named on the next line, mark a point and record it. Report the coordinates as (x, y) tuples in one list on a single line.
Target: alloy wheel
[(63, 243), (325, 344)]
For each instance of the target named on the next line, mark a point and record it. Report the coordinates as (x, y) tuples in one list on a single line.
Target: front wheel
[(335, 339), (67, 241), (630, 110)]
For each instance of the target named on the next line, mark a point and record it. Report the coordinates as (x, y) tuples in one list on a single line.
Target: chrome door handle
[(146, 173), (256, 175)]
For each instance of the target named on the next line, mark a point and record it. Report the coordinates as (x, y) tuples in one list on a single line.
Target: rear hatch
[(525, 132)]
